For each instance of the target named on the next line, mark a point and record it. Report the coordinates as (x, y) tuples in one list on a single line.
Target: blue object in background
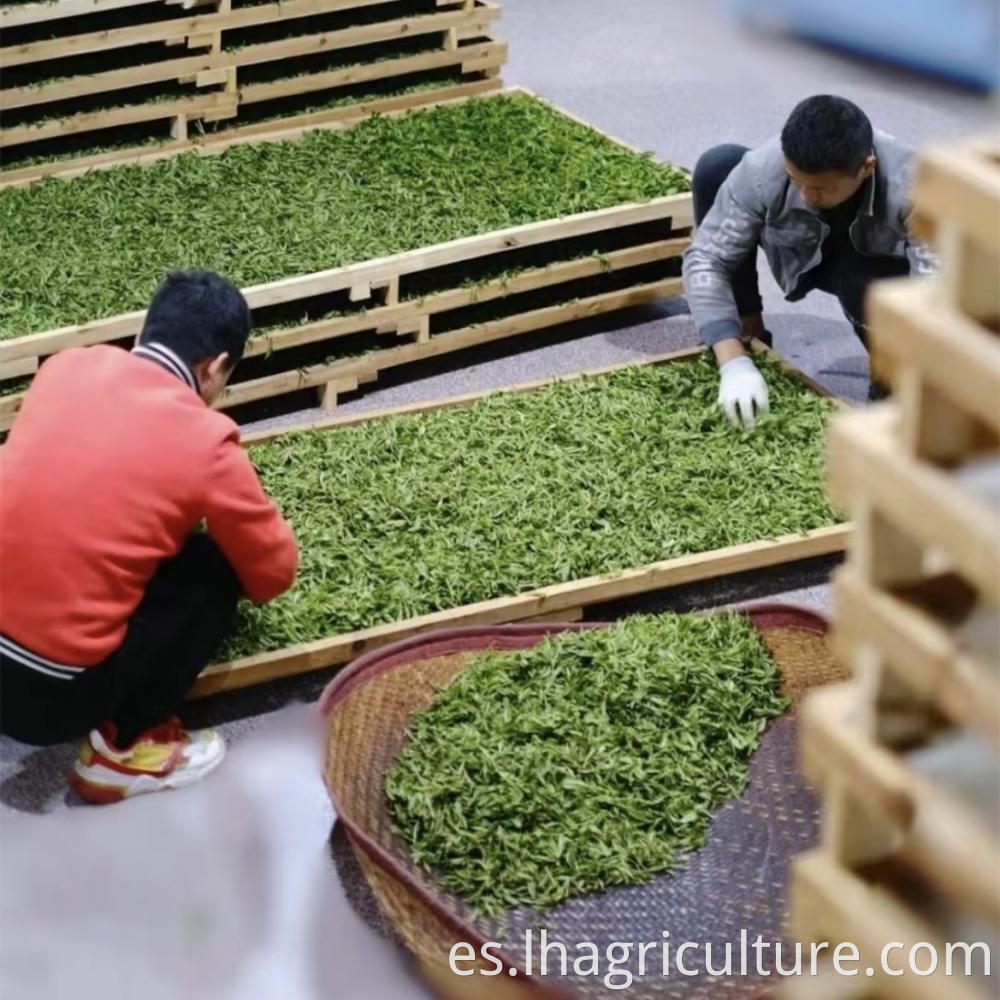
[(955, 39)]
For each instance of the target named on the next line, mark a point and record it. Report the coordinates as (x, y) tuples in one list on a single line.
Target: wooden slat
[(18, 15), (329, 41), (97, 83), (919, 650), (913, 327), (865, 460), (936, 834), (531, 604), (162, 31), (960, 187), (91, 120), (18, 369), (833, 905), (528, 322), (494, 53)]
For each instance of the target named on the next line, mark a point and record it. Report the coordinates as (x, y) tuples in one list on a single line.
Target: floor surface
[(227, 889)]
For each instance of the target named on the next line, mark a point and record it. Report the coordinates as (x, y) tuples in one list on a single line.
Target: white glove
[(741, 389)]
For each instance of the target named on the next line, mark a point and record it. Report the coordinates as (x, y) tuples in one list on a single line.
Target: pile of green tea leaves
[(593, 759), (404, 516), (96, 245)]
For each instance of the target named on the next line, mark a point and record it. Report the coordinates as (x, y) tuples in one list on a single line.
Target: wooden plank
[(569, 615), (918, 498), (390, 316), (376, 272), (493, 52), (932, 426), (970, 275), (960, 187), (18, 369), (98, 83), (921, 651), (934, 833), (833, 905), (330, 374), (163, 31), (915, 327), (328, 41), (531, 604), (88, 121), (18, 15)]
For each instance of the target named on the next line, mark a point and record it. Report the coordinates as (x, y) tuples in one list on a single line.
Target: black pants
[(847, 278), (188, 608)]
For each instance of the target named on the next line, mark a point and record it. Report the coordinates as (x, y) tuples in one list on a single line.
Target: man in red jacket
[(131, 521)]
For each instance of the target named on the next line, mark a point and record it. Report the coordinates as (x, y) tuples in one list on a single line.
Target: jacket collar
[(168, 359)]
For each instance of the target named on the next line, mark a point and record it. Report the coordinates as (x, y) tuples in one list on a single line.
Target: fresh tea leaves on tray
[(404, 516)]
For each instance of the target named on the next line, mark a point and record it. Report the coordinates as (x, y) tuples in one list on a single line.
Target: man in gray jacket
[(828, 203)]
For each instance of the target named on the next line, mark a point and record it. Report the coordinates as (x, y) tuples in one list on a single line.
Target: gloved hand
[(742, 389)]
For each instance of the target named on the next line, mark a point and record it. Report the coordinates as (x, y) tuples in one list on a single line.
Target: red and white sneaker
[(164, 757)]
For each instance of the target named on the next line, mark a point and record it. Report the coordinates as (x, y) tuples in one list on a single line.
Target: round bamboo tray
[(736, 882)]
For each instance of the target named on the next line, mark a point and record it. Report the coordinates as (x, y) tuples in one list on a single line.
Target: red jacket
[(111, 465)]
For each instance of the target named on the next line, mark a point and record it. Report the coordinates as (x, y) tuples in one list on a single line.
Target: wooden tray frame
[(558, 602), (378, 281)]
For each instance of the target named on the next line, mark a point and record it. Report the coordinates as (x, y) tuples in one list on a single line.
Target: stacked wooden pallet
[(82, 74), (911, 859), (417, 304)]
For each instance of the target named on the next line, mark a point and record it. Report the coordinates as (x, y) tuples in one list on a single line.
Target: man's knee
[(204, 563)]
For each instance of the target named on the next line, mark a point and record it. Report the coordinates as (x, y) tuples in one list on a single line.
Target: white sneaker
[(164, 757)]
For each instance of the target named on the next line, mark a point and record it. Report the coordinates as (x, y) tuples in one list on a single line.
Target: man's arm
[(728, 234), (247, 525)]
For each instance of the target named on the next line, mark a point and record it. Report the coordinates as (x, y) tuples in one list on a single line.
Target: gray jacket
[(758, 204)]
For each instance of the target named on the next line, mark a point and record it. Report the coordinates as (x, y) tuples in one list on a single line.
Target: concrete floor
[(228, 888)]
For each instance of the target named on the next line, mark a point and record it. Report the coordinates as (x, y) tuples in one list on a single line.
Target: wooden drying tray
[(194, 30), (562, 601), (377, 282), (217, 66)]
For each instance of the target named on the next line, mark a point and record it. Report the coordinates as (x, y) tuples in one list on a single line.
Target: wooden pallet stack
[(905, 754), (79, 75)]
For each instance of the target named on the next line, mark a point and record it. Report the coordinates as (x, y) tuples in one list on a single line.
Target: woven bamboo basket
[(737, 881)]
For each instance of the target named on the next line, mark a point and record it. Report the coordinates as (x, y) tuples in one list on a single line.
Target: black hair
[(198, 314), (827, 133)]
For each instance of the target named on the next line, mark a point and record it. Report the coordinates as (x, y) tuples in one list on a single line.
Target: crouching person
[(131, 521)]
